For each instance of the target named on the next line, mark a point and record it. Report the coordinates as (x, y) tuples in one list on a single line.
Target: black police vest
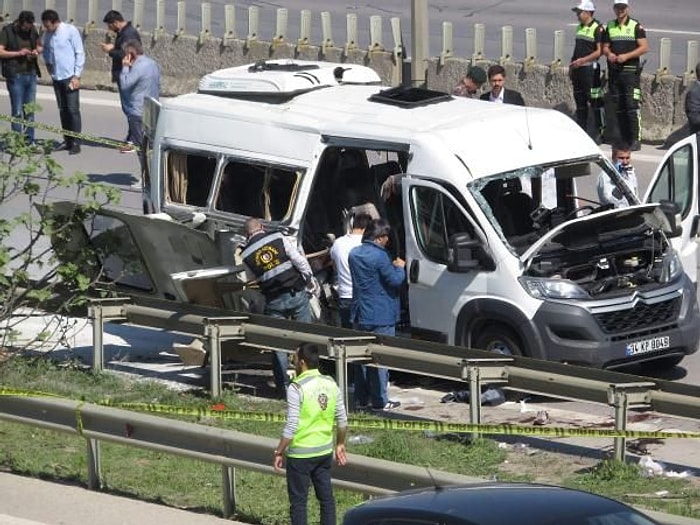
[(267, 258)]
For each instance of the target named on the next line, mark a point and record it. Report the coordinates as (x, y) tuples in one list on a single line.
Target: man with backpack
[(19, 48)]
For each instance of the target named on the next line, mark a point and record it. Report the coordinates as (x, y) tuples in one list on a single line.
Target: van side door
[(433, 215), (676, 180)]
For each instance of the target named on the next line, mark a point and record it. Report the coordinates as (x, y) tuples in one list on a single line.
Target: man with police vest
[(584, 69), (283, 274), (20, 47), (625, 42), (314, 403)]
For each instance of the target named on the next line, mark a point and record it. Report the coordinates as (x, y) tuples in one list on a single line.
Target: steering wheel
[(575, 211)]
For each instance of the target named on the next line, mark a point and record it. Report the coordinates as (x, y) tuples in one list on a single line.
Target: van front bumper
[(575, 334)]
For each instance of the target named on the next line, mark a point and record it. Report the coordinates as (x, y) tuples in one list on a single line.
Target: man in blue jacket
[(376, 282)]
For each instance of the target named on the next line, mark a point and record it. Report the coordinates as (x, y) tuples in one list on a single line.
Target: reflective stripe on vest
[(314, 435)]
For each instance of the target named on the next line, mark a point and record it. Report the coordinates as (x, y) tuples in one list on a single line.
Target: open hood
[(596, 227)]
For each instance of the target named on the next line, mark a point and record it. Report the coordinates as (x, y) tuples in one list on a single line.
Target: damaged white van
[(493, 207)]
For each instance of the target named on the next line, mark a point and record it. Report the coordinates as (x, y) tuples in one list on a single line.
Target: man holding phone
[(139, 78)]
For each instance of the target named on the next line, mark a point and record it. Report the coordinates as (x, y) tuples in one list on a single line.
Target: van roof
[(478, 132)]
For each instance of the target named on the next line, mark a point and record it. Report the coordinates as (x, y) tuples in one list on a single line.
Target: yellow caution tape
[(59, 131), (219, 412)]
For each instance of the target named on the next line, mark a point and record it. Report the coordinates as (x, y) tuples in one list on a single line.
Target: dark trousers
[(301, 472), (68, 101), (135, 135), (372, 382), (625, 92), (588, 93)]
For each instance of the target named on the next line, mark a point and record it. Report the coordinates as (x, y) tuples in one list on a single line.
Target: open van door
[(437, 277), (676, 180)]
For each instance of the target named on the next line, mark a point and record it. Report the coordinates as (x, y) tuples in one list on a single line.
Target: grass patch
[(195, 485)]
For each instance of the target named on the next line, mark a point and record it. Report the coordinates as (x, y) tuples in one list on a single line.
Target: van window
[(675, 180), (188, 177), (255, 190), (436, 218)]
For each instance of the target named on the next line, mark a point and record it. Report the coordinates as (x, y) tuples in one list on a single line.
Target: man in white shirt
[(608, 192), (339, 254)]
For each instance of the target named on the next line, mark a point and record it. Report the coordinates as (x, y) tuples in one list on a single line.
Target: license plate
[(648, 345)]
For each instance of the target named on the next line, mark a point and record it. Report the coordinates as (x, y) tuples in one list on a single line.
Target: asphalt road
[(675, 19)]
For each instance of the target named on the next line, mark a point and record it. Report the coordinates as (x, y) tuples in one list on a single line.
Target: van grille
[(641, 316)]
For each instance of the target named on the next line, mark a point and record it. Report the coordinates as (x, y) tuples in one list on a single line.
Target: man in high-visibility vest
[(625, 42), (314, 403), (584, 70)]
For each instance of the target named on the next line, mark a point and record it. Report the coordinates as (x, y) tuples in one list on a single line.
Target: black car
[(495, 504)]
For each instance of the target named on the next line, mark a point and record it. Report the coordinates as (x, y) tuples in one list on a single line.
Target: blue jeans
[(301, 471), (22, 89), (68, 101), (370, 381), (292, 305)]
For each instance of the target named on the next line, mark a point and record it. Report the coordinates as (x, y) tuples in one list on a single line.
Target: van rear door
[(153, 256), (676, 180)]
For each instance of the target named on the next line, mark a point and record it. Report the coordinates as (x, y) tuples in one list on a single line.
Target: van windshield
[(524, 204)]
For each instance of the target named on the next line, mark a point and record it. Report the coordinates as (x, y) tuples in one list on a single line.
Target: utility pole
[(419, 42)]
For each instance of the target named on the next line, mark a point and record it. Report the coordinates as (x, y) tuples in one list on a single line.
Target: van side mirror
[(465, 254), (672, 212)]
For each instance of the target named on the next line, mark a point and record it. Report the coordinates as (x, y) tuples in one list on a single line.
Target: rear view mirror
[(466, 254)]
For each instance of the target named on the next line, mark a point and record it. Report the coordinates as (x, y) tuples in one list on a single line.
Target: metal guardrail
[(228, 448), (475, 367)]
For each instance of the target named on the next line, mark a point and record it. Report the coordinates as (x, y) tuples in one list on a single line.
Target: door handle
[(413, 271)]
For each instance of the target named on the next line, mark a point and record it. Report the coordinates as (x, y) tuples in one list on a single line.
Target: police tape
[(218, 411), (66, 133)]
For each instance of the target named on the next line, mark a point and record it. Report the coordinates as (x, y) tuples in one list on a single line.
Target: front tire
[(498, 339)]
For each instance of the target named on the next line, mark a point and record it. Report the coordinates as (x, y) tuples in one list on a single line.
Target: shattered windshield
[(524, 204)]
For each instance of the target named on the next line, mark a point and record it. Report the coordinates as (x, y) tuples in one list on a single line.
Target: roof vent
[(409, 97)]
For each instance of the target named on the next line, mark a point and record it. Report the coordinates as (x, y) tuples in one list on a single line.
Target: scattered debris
[(542, 418)]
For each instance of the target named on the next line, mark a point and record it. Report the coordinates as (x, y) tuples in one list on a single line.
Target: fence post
[(327, 32), (419, 41), (479, 43), (253, 24), (205, 30), (229, 25), (506, 44), (447, 42), (228, 475), (351, 40), (530, 48), (94, 480)]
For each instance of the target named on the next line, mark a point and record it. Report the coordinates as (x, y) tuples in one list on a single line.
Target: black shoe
[(635, 146), (74, 149)]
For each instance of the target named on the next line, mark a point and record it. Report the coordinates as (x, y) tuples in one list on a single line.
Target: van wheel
[(499, 339)]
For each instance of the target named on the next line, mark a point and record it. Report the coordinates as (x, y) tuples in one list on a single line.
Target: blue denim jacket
[(375, 285)]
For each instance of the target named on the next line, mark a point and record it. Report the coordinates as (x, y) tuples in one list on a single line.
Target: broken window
[(188, 177), (256, 190)]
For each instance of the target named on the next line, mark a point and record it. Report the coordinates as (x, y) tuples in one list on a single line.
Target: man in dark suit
[(498, 93)]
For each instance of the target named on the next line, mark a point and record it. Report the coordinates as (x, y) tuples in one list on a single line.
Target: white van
[(493, 207)]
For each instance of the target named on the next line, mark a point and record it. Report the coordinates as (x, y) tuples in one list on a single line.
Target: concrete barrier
[(184, 59)]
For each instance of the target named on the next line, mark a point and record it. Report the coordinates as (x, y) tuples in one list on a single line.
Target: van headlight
[(672, 267), (552, 288)]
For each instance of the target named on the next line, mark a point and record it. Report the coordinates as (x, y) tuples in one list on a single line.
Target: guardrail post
[(447, 42), (71, 12), (253, 24), (281, 27), (327, 31), (159, 28), (558, 56), (691, 62), (228, 475), (90, 23), (304, 30), (506, 44), (473, 375), (624, 396), (205, 30), (216, 331), (351, 30), (664, 57), (181, 18), (530, 48), (397, 77), (138, 18), (99, 311), (342, 348), (94, 480), (229, 25), (479, 43)]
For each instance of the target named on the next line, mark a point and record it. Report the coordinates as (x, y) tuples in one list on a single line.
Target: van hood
[(602, 227)]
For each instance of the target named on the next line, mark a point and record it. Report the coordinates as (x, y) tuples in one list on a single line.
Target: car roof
[(487, 504)]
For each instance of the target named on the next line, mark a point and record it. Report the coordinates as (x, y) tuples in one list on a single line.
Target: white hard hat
[(584, 5)]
